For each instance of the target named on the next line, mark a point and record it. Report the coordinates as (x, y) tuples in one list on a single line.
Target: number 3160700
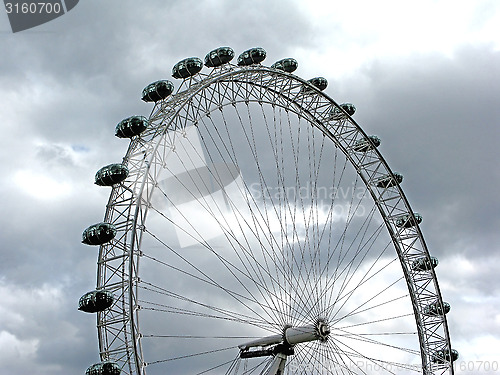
[(33, 8)]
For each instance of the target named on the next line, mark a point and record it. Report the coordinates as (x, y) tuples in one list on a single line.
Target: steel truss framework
[(200, 97)]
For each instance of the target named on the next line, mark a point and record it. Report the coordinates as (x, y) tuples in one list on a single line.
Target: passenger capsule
[(319, 82), (104, 368), (445, 355), (407, 221), (187, 67), (288, 65), (219, 56), (389, 180), (338, 114), (252, 56), (157, 91), (367, 144), (131, 126), (111, 174), (423, 264), (434, 309), (99, 234), (96, 301), (349, 108)]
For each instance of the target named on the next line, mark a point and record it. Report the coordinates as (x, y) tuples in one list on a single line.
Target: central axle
[(284, 343)]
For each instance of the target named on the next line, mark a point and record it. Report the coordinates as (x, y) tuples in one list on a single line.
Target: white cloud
[(21, 304), (14, 350), (38, 331), (54, 170), (23, 320), (349, 34), (40, 186), (480, 348)]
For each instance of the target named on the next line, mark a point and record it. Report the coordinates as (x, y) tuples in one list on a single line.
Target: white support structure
[(281, 346), (278, 365)]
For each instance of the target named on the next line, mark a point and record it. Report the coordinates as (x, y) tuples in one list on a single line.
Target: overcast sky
[(424, 77)]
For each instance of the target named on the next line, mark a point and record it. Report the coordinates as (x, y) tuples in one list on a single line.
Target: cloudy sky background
[(424, 76)]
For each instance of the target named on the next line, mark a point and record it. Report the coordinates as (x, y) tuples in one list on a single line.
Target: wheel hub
[(284, 343)]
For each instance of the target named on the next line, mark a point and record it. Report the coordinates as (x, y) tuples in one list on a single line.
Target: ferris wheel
[(254, 228)]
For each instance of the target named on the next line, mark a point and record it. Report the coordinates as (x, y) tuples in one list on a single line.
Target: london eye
[(253, 227)]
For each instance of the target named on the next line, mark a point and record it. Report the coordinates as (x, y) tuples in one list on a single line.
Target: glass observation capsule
[(219, 56), (349, 108), (98, 234), (96, 301), (288, 65), (103, 368), (319, 82), (111, 174), (131, 126), (389, 181), (337, 113), (423, 264), (157, 91), (434, 309), (187, 68), (445, 355), (367, 144), (407, 221), (252, 56)]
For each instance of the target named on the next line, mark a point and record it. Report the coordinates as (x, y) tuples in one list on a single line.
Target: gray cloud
[(66, 84), (436, 117)]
